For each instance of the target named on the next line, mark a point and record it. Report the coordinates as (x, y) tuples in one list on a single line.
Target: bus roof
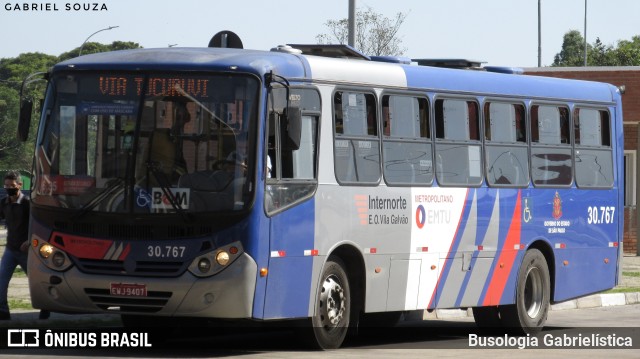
[(191, 59), (345, 71)]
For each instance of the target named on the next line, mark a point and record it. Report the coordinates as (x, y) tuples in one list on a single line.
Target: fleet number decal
[(165, 251), (601, 215)]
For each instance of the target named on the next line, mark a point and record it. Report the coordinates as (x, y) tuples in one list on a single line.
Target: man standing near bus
[(14, 209)]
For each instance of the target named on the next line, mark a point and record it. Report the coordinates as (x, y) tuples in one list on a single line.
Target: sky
[(498, 32)]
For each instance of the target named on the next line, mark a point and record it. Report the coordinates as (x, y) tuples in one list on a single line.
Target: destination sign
[(122, 86)]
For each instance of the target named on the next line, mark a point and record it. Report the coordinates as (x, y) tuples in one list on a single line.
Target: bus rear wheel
[(333, 306), (529, 313)]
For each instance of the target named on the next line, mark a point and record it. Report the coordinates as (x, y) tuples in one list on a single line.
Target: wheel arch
[(355, 270), (547, 251)]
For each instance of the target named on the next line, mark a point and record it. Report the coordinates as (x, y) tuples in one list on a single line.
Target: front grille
[(134, 268), (152, 303)]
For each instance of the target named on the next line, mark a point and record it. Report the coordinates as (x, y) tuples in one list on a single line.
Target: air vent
[(330, 50), (451, 63)]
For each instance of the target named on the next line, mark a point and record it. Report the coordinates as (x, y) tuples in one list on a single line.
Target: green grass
[(19, 273), (19, 304), (624, 290)]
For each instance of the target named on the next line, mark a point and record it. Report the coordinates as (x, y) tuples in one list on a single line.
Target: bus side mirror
[(24, 121), (291, 125)]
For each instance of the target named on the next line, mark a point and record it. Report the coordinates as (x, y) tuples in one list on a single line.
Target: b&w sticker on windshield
[(159, 200)]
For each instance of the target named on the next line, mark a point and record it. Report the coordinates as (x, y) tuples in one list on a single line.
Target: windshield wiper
[(115, 185), (166, 189)]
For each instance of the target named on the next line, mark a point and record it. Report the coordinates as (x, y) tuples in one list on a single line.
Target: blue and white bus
[(315, 183)]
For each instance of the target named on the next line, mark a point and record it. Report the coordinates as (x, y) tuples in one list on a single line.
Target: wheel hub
[(533, 292), (333, 303)]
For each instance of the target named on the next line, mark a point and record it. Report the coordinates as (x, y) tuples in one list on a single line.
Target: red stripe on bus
[(125, 252), (82, 247), (507, 258)]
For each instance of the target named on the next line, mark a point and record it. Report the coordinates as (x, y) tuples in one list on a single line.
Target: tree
[(95, 47), (375, 34), (626, 53), (572, 53), (13, 153)]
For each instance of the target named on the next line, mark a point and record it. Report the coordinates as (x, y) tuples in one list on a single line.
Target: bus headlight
[(204, 264), (53, 257), (46, 250), (222, 258), (216, 260), (58, 259)]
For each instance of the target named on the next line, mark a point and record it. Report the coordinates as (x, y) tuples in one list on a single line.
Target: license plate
[(129, 290)]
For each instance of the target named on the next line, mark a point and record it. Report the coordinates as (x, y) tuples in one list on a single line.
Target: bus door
[(291, 181)]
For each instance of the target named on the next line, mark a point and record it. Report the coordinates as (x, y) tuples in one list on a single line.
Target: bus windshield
[(146, 143)]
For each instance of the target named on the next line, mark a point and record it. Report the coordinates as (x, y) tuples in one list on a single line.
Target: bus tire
[(330, 322), (529, 313)]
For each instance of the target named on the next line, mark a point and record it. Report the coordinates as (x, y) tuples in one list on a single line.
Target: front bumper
[(228, 294)]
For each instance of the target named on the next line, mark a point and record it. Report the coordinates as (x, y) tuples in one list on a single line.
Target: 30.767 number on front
[(165, 251)]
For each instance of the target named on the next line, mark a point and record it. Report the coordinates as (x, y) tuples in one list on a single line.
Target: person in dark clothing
[(14, 209)]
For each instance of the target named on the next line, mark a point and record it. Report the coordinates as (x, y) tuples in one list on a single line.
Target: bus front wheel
[(529, 313), (333, 306)]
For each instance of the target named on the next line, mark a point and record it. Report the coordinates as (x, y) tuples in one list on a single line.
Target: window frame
[(537, 145), (488, 144), (428, 140), (276, 179), (577, 147), (341, 136), (438, 142)]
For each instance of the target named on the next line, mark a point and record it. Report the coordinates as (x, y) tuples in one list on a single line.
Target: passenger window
[(458, 148), (504, 122), (551, 158), (506, 152), (356, 144), (406, 150), (592, 127), (457, 120), (550, 125), (593, 156)]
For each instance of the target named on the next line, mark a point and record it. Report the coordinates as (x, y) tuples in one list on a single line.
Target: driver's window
[(291, 173)]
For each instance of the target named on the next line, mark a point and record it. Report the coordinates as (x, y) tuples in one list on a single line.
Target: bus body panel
[(291, 262)]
